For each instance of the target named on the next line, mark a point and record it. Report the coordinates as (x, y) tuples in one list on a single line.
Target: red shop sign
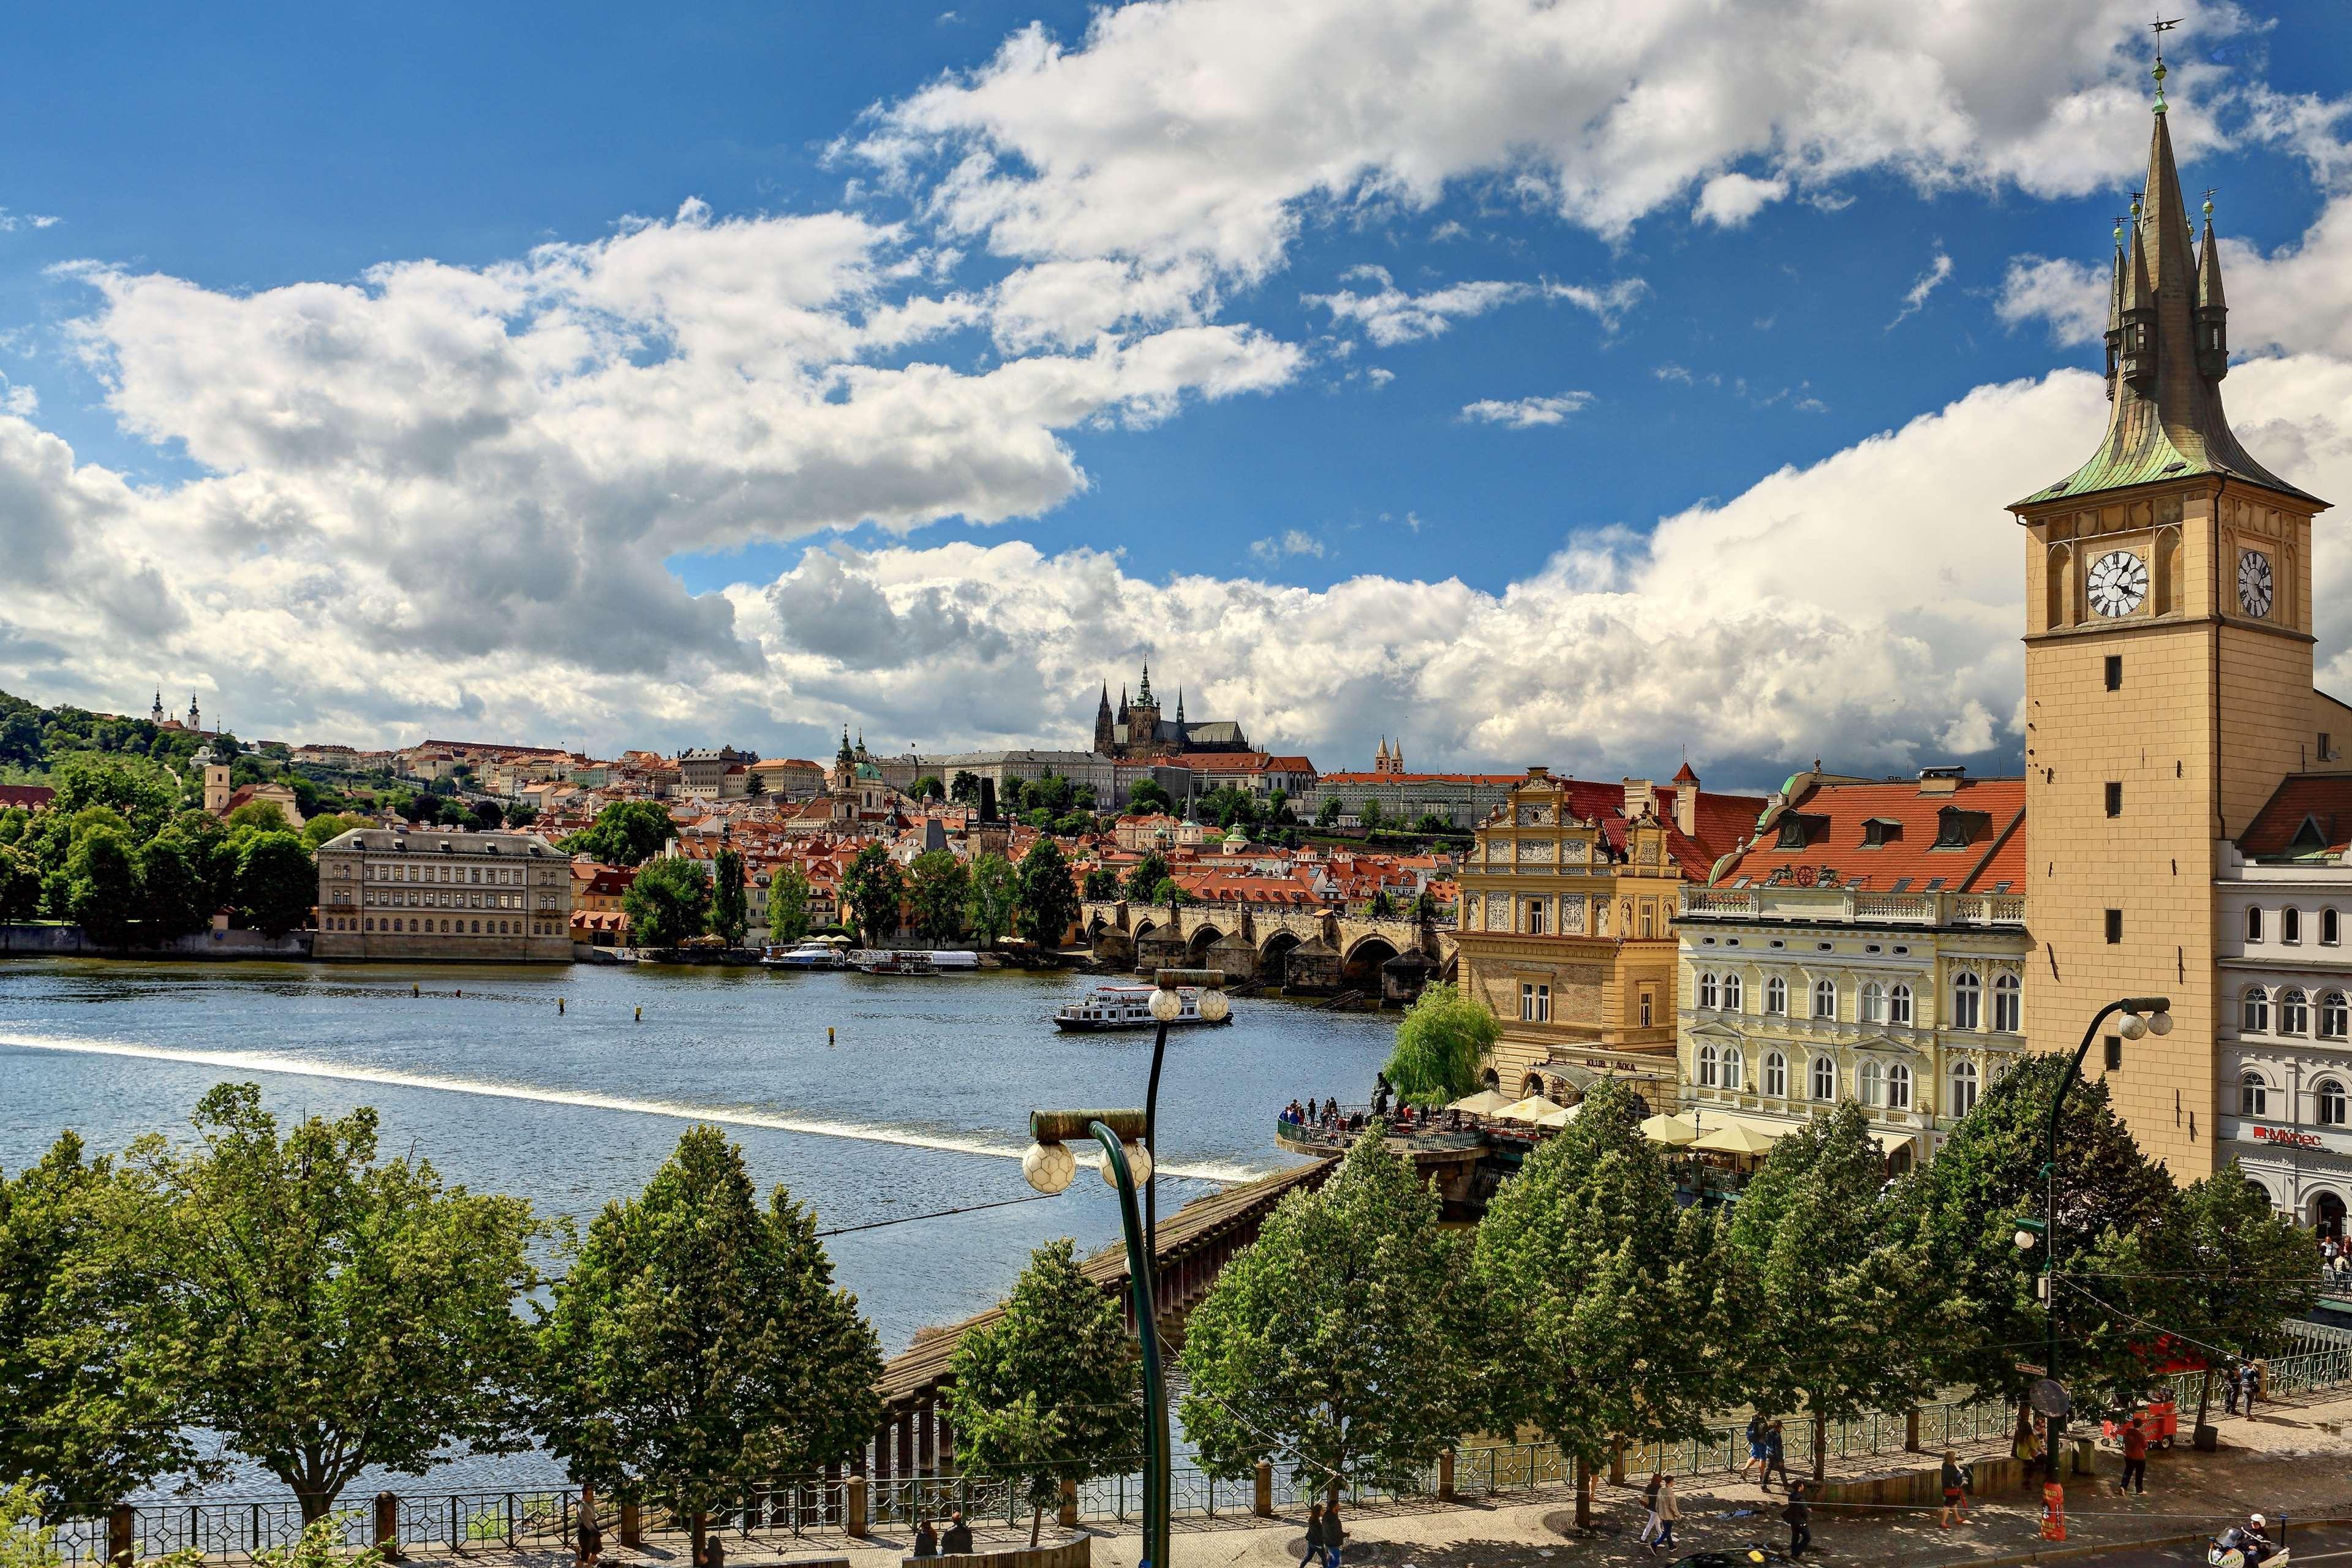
[(2286, 1136)]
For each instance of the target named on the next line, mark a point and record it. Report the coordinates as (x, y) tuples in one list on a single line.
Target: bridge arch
[(1359, 965), (1274, 952), (1204, 936)]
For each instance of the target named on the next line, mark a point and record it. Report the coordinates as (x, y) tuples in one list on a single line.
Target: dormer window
[(2309, 837), (1955, 827), (1792, 833), (1879, 830)]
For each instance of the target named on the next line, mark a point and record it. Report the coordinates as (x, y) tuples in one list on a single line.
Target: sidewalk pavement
[(2289, 1459)]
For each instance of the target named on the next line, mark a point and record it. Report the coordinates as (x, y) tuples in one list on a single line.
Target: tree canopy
[(730, 913), (1143, 878), (669, 901), (1442, 1045), (1046, 895), (991, 904), (871, 891), (625, 833), (788, 904), (938, 887)]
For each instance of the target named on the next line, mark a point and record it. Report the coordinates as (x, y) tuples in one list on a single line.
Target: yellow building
[(1567, 923), (439, 893), (2168, 680)]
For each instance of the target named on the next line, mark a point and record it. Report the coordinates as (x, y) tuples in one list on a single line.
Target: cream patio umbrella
[(1673, 1130), (1733, 1136), (1533, 1106), (1561, 1117), (1486, 1102)]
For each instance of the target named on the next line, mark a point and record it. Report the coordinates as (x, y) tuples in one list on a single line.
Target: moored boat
[(892, 961), (802, 955), (1108, 1007)]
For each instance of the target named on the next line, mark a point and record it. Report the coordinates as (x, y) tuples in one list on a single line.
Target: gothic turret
[(1106, 735), (1144, 692), (2167, 347)]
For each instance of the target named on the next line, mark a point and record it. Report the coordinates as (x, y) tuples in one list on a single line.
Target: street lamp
[(2143, 1015), (1128, 1142)]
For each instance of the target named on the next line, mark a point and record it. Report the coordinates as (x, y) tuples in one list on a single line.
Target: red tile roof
[(2324, 801), (32, 798), (1835, 845)]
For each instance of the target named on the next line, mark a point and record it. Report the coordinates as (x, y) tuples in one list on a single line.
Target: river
[(918, 1101)]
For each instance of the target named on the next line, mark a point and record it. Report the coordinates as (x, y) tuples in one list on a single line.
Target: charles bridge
[(1301, 951)]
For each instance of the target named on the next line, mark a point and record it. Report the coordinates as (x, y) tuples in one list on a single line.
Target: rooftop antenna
[(2160, 73)]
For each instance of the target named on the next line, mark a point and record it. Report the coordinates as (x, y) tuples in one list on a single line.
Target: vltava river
[(920, 1101)]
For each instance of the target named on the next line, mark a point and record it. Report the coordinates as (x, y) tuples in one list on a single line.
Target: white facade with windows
[(2285, 1045)]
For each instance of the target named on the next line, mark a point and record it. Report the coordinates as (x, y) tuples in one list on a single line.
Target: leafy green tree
[(697, 1342), (871, 891), (730, 912), (103, 899), (788, 904), (93, 1409), (938, 888), (142, 791), (1443, 1046), (928, 787), (964, 788), (669, 901), (488, 816), (1171, 892), (1966, 1203), (989, 906), (329, 1309), (24, 1541), (1146, 796), (1370, 816), (1047, 1392), (1615, 1300), (1045, 897), (20, 885), (20, 740), (172, 890), (625, 833), (1848, 1309), (1143, 878), (1102, 882), (1342, 1341), (265, 815), (1429, 822), (1382, 907), (277, 884), (318, 831), (1327, 814)]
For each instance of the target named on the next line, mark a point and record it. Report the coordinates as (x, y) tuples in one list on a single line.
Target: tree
[(1146, 796), (20, 740), (991, 904), (625, 833), (730, 915), (172, 890), (1382, 907), (1171, 893), (1342, 1341), (263, 815), (1429, 822), (20, 886), (871, 892), (1102, 883), (1966, 1203), (104, 893), (1854, 1308), (788, 904), (488, 816), (697, 1342), (1443, 1044), (1368, 814), (964, 788), (1143, 878), (324, 830), (938, 888), (669, 901), (1046, 1392), (276, 882), (1277, 808), (755, 783), (141, 790), (1615, 1300), (1045, 897), (330, 1310), (1327, 814), (928, 787), (94, 1413)]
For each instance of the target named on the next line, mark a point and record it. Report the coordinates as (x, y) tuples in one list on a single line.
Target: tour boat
[(1125, 1008), (892, 961), (806, 955)]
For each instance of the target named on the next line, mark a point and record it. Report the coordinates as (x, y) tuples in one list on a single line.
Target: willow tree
[(1441, 1047)]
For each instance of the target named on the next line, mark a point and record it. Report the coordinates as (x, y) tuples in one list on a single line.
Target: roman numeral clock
[(2117, 584), (2254, 584)]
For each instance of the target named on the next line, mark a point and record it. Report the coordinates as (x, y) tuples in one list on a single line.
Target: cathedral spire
[(1144, 692)]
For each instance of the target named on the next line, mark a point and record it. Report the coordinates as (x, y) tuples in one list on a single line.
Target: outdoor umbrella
[(1561, 1117), (1736, 1138), (1486, 1102), (1527, 1109), (1669, 1129)]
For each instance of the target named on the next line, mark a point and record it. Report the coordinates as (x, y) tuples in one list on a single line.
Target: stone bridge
[(1316, 952)]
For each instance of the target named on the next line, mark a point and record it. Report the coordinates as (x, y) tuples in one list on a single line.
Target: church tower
[(156, 718), (1106, 734), (1143, 720), (2168, 678), (195, 717)]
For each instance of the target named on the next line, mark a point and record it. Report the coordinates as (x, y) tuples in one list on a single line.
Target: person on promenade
[(1334, 1537), (1669, 1511), (2135, 1438), (1651, 1529), (1801, 1521), (927, 1539), (1755, 1446), (2250, 1382), (1956, 1492), (957, 1541), (589, 1543), (1313, 1556), (1776, 1454), (2229, 1389), (714, 1549)]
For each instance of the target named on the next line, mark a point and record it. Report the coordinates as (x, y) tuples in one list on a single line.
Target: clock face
[(2254, 583), (2119, 583)]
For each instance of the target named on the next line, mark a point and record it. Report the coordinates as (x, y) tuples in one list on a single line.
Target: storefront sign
[(2286, 1136)]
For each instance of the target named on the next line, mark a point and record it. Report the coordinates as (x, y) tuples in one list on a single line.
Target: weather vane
[(2160, 28)]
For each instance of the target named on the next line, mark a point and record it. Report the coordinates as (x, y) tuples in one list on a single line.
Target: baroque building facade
[(2169, 695), (1566, 925), (1869, 943), (438, 893)]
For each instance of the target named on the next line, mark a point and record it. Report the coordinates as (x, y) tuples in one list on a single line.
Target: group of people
[(2335, 1259), (931, 1543), (1768, 1451), (1324, 1538)]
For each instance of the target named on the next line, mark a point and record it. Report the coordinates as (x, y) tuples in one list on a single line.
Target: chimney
[(1942, 780), (1639, 796)]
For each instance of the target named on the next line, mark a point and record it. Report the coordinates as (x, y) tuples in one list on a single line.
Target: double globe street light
[(1128, 1143)]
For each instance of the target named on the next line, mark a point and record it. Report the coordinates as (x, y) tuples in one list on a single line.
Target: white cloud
[(1728, 201), (1526, 413), (1610, 301), (1927, 283), (1390, 316), (2070, 296), (10, 222), (1290, 541)]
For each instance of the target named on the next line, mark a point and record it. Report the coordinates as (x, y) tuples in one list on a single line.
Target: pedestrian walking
[(1334, 1537), (2230, 1389), (589, 1543), (1314, 1552), (1669, 1511), (1754, 1445), (1956, 1492), (2135, 1438), (1649, 1526), (957, 1541), (1800, 1518), (926, 1539), (1776, 1454), (2250, 1382), (714, 1551)]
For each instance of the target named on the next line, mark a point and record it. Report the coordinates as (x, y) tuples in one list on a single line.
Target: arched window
[(2330, 1094), (2254, 1012), (2294, 1012), (2327, 929), (1825, 1079), (2008, 1009), (1731, 994), (1709, 1064), (1735, 1068), (1874, 1004), (2290, 924), (1967, 1001), (2253, 1096), (2333, 1016), (1776, 1074), (1706, 993), (1898, 1088), (1898, 1005), (1776, 996), (1825, 999), (2253, 922), (1963, 1097), (1873, 1084)]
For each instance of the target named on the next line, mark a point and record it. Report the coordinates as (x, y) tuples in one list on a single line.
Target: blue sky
[(1312, 523)]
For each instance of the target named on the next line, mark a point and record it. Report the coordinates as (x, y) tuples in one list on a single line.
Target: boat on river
[(913, 961), (803, 955), (1108, 1007)]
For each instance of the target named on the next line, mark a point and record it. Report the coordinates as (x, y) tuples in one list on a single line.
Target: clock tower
[(2168, 678)]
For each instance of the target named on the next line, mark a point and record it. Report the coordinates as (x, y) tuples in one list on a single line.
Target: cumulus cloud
[(1390, 316), (1290, 541), (2069, 297), (1728, 201), (1526, 413)]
